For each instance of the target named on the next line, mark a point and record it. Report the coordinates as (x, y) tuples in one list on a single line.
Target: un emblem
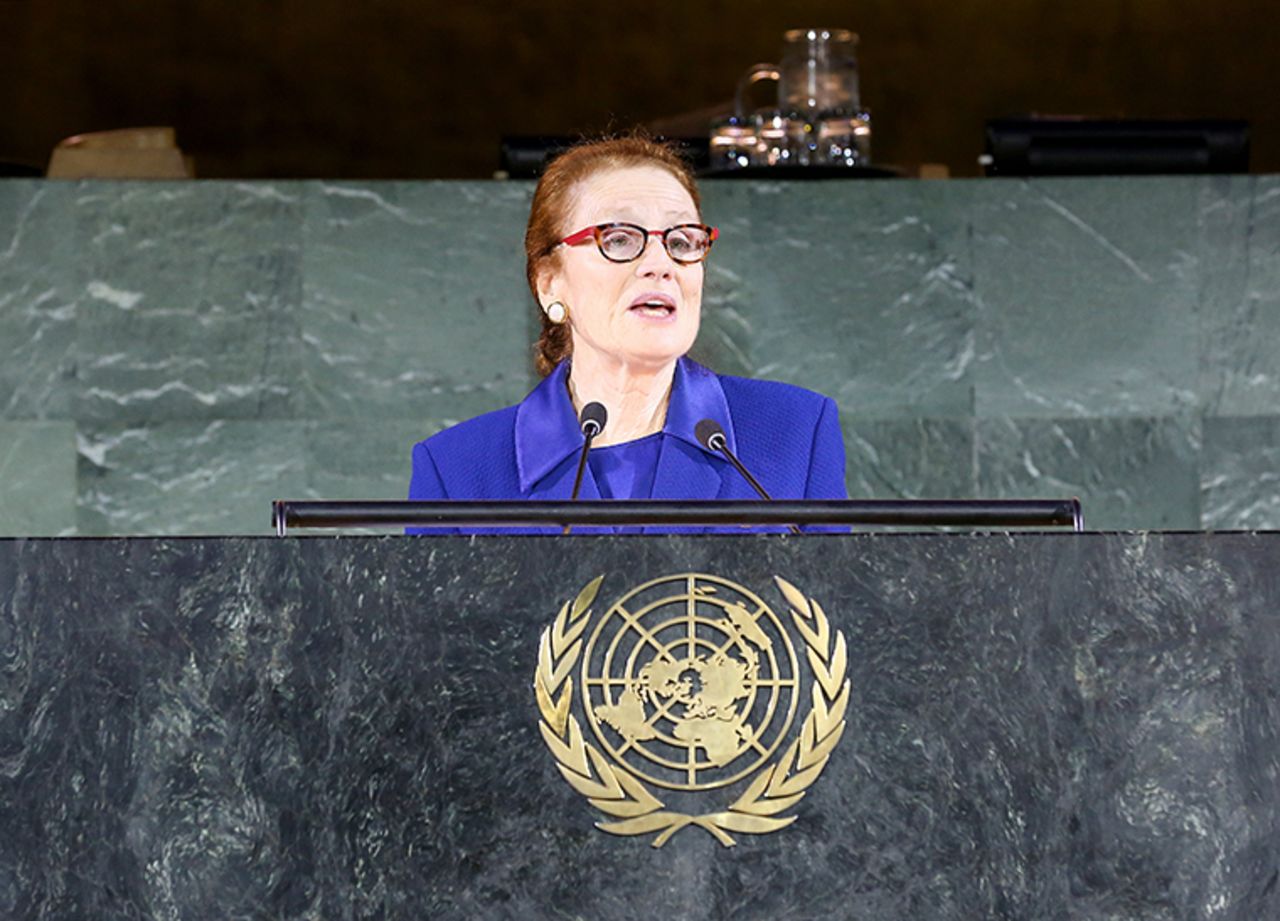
[(690, 684)]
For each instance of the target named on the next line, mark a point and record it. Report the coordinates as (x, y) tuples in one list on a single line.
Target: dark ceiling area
[(402, 89)]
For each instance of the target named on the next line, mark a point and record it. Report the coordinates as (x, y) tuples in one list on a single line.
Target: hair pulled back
[(554, 199)]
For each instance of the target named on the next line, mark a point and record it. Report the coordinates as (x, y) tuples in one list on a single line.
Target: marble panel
[(1240, 296), (858, 290), (1240, 472), (363, 458), (188, 477), (37, 300), (415, 298), (1087, 294), (37, 479), (910, 458), (190, 298), (1039, 727), (1128, 473), (726, 335)]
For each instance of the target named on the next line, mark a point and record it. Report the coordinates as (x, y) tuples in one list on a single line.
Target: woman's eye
[(681, 245), (616, 240)]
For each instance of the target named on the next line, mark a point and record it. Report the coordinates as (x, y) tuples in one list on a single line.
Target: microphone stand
[(592, 421), (588, 435), (713, 437)]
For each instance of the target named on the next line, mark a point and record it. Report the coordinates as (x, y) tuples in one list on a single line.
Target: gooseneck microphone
[(591, 420), (711, 436)]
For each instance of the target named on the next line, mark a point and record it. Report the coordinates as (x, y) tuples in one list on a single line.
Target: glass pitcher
[(818, 74)]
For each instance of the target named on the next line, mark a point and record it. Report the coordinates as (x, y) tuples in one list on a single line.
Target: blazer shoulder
[(790, 436), (773, 402), (474, 444)]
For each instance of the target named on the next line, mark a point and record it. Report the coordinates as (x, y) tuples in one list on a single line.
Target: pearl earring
[(557, 312)]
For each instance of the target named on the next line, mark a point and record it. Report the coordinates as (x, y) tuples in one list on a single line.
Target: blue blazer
[(787, 436)]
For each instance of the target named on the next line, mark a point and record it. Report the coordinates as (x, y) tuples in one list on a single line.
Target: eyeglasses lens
[(687, 244), (621, 244)]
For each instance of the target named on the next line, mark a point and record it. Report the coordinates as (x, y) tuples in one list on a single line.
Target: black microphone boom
[(591, 420), (711, 436)]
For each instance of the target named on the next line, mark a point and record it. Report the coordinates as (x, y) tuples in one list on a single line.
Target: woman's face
[(642, 314)]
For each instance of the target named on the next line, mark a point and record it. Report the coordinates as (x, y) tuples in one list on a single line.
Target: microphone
[(591, 420), (711, 436)]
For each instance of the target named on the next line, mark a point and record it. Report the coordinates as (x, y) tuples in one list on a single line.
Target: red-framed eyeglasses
[(687, 244)]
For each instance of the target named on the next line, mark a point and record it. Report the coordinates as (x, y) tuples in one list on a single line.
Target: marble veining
[(1240, 368), (37, 301), (1240, 483), (189, 301), (1127, 344), (407, 305)]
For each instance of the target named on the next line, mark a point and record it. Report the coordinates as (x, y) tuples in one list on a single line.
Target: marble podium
[(1039, 726)]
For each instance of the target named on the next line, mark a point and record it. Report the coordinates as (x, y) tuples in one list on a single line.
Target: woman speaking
[(615, 248)]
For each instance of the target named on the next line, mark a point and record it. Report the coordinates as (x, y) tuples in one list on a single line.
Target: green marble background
[(175, 355)]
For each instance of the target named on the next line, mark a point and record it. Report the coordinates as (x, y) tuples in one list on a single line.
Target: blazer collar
[(546, 428), (696, 394)]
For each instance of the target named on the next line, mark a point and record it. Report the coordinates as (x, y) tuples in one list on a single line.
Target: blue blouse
[(626, 470)]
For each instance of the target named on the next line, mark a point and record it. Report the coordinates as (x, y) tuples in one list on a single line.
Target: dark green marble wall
[(173, 356)]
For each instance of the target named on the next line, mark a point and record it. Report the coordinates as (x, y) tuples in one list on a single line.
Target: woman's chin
[(651, 359), (641, 349), (658, 350)]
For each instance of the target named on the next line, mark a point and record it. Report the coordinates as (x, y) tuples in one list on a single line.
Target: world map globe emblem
[(690, 682)]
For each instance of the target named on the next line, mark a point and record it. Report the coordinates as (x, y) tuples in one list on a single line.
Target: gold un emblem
[(690, 684)]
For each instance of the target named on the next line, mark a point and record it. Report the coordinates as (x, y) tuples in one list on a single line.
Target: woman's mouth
[(654, 305)]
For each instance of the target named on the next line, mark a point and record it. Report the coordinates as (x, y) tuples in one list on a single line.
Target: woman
[(614, 251)]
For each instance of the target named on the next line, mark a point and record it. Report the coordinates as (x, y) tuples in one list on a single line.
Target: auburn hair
[(554, 199)]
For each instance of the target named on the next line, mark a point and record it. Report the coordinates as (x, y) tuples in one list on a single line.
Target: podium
[(1036, 726)]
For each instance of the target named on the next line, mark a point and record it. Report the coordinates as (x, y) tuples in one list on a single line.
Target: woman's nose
[(655, 261)]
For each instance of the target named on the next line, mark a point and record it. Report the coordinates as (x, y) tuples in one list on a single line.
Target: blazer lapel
[(549, 443), (546, 437), (687, 470), (558, 483)]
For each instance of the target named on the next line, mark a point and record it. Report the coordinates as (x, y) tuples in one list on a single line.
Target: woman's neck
[(635, 397)]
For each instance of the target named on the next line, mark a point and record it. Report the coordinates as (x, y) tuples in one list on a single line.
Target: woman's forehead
[(638, 193)]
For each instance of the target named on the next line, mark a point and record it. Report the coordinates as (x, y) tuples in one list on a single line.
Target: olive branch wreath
[(617, 793)]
